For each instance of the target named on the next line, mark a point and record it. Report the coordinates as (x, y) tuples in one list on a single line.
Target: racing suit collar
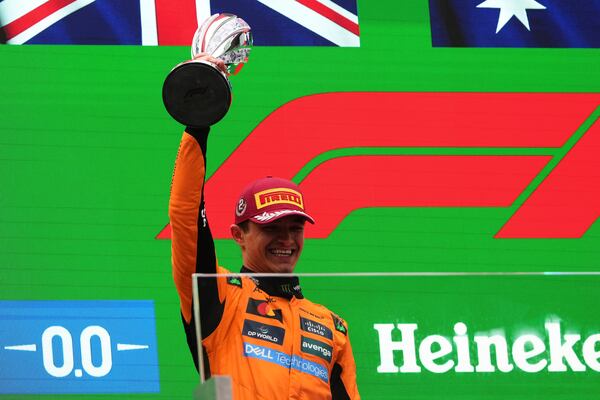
[(286, 287)]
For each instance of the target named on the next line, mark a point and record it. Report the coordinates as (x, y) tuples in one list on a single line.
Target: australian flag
[(173, 22), (515, 23)]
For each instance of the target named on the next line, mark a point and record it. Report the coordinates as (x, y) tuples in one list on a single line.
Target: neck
[(281, 286)]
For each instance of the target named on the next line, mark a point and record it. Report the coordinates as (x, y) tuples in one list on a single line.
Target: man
[(262, 332)]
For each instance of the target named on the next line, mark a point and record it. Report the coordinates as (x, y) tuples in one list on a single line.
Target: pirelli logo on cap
[(273, 196)]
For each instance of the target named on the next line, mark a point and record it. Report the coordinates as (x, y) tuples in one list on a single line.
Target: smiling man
[(269, 225), (260, 331)]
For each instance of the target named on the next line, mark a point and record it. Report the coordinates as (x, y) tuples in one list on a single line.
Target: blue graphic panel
[(78, 347)]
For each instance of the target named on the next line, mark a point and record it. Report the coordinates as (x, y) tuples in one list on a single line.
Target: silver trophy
[(196, 92)]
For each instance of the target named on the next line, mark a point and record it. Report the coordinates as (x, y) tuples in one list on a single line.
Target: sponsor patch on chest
[(287, 361), (316, 328), (262, 308), (316, 348), (268, 333)]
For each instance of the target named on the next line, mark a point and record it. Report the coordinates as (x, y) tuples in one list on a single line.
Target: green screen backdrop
[(86, 156)]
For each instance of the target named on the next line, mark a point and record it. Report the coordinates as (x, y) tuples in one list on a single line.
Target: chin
[(283, 268), (280, 266)]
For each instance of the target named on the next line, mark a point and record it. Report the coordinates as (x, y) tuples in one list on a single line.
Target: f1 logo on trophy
[(197, 92)]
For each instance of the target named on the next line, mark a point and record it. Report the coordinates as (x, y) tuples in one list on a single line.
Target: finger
[(221, 64), (216, 61), (224, 68)]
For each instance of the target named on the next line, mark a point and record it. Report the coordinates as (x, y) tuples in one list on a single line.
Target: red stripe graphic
[(25, 22), (331, 15), (302, 129), (567, 203), (342, 185), (176, 24)]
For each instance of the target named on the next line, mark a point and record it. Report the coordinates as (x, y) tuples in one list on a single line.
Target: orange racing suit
[(263, 333)]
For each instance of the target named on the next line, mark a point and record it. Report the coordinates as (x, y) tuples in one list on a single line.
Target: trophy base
[(196, 94)]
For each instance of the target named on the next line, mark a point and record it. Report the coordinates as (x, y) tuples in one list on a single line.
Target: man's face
[(272, 247)]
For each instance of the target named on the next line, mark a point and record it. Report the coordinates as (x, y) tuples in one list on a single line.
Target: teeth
[(279, 252)]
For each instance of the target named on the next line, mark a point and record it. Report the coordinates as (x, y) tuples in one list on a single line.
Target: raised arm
[(192, 243)]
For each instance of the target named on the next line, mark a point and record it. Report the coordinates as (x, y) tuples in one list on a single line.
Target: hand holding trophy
[(197, 92)]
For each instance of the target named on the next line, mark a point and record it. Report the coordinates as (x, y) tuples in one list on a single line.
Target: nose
[(285, 235)]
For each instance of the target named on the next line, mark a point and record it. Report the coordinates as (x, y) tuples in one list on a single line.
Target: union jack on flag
[(173, 22)]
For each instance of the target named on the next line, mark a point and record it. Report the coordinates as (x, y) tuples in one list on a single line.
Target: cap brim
[(267, 217)]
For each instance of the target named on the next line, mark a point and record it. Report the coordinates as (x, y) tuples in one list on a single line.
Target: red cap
[(268, 199)]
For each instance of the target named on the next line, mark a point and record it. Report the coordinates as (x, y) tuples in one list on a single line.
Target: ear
[(237, 234)]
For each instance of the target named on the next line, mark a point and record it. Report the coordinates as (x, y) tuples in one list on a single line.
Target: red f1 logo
[(493, 125)]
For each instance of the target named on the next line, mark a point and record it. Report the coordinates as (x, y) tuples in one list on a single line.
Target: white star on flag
[(512, 8)]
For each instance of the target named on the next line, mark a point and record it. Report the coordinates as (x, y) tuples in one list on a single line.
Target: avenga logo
[(315, 347), (554, 352)]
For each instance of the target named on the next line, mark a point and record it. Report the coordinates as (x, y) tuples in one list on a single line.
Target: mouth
[(281, 252)]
